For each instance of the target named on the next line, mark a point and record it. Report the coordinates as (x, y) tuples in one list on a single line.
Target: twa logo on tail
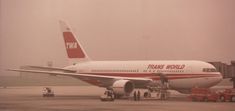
[(73, 48), (71, 45)]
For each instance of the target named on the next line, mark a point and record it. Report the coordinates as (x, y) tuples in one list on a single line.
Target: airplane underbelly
[(194, 82)]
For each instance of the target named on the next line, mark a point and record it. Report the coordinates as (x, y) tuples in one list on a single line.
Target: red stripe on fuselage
[(155, 76)]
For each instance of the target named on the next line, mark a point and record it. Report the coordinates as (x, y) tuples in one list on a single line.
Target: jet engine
[(123, 87)]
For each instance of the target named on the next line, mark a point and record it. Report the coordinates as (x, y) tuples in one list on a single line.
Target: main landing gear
[(158, 90)]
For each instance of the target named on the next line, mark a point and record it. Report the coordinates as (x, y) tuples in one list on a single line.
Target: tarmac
[(86, 98)]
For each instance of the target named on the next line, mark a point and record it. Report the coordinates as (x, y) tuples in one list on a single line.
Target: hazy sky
[(117, 30)]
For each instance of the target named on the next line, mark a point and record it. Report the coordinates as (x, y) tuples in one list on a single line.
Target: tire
[(163, 96), (205, 99), (222, 98), (117, 96), (146, 95), (194, 99), (233, 99)]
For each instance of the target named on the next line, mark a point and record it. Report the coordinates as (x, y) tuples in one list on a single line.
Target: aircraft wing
[(99, 80), (43, 68)]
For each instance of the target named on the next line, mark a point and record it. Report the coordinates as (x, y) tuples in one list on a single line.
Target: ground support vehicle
[(227, 95), (108, 96), (48, 92), (203, 94)]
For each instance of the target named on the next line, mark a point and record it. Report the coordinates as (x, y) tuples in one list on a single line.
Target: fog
[(116, 30)]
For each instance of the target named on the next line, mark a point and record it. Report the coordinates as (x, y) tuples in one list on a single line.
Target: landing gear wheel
[(163, 96), (116, 96), (233, 99), (222, 98), (145, 94), (206, 99), (194, 99)]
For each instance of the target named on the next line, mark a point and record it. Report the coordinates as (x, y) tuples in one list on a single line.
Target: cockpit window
[(209, 70)]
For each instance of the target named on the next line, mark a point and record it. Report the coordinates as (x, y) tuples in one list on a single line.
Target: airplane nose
[(219, 78), (215, 80)]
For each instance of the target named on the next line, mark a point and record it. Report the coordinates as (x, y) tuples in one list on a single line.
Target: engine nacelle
[(123, 87)]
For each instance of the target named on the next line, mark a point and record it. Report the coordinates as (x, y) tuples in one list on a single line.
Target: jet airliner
[(123, 76)]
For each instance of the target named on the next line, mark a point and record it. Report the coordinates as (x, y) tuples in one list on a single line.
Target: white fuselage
[(180, 74), (124, 76)]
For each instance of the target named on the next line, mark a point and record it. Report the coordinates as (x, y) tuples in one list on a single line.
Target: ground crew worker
[(112, 94), (109, 94), (135, 96), (138, 95)]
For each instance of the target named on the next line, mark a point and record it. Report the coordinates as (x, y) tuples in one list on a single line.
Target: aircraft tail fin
[(74, 49)]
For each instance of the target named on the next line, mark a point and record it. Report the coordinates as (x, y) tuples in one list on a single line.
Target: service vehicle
[(228, 95), (47, 92), (204, 94), (108, 96)]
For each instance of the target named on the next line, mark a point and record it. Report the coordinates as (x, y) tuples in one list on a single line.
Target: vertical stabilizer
[(74, 49)]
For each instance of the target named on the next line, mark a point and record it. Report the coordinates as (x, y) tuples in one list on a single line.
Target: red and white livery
[(124, 76)]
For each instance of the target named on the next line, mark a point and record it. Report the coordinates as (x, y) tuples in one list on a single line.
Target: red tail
[(73, 48)]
